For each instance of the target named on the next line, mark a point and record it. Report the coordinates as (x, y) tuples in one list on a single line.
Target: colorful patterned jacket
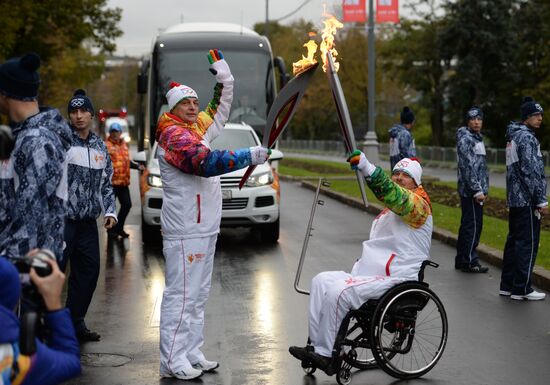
[(400, 237), (54, 361), (33, 186), (525, 179), (401, 144), (120, 159), (189, 169), (89, 178), (473, 176)]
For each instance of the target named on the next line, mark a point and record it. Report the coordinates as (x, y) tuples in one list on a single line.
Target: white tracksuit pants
[(332, 295), (188, 277)]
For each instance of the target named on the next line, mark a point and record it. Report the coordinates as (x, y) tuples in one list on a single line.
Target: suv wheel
[(269, 233)]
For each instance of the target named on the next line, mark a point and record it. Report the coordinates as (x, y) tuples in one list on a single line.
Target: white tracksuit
[(190, 221), (394, 253)]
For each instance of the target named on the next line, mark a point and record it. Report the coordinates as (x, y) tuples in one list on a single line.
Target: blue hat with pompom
[(19, 78)]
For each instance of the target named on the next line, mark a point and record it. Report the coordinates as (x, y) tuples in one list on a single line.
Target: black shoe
[(320, 361), (86, 335), (124, 234), (301, 353), (475, 269)]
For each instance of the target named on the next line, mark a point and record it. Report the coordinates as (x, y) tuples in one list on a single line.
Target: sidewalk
[(541, 277)]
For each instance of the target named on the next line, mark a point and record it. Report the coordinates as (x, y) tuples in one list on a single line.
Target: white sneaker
[(505, 293), (185, 374), (532, 296), (206, 366)]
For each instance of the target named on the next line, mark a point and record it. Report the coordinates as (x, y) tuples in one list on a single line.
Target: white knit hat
[(177, 93), (411, 167)]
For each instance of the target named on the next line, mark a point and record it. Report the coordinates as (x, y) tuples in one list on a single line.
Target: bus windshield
[(253, 81)]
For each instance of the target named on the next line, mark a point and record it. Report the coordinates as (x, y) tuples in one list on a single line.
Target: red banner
[(387, 11), (354, 11)]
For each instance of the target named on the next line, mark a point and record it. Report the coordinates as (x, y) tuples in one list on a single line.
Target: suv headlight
[(154, 180), (260, 179)]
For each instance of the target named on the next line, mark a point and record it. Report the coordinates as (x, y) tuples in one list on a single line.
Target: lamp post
[(371, 145)]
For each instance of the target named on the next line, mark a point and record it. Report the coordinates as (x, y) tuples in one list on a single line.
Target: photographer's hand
[(50, 286)]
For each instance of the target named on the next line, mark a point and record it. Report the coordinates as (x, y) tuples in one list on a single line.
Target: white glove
[(364, 166), (219, 67), (259, 155)]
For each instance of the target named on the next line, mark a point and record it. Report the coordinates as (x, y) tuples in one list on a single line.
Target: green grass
[(445, 217)]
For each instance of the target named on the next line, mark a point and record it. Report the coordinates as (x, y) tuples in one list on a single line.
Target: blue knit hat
[(19, 78), (407, 116), (80, 100), (115, 127), (474, 112), (530, 107), (10, 285)]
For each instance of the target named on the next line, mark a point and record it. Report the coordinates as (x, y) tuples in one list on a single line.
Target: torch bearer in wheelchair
[(404, 332)]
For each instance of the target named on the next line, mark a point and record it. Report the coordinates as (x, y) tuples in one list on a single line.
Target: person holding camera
[(50, 362), (90, 192), (33, 187)]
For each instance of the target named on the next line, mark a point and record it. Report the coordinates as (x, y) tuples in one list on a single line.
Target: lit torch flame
[(327, 45), (306, 62)]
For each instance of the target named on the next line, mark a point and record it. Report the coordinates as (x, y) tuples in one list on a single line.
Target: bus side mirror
[(142, 84), (279, 62)]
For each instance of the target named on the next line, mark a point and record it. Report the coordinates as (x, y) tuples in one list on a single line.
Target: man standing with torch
[(191, 214)]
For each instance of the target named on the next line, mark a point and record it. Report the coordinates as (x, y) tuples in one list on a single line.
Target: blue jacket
[(53, 362), (401, 144), (33, 186), (525, 179), (90, 172), (473, 176)]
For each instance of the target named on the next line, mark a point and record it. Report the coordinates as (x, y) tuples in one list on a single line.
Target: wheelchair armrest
[(424, 264)]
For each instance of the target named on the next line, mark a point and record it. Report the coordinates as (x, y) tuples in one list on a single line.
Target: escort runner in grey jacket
[(525, 179), (401, 144), (473, 176), (90, 173), (33, 186)]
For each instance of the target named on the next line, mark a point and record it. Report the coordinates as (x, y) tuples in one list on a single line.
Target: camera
[(31, 305), (7, 142), (38, 261)]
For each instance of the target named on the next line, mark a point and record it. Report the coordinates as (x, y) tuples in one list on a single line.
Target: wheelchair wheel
[(362, 358), (409, 331)]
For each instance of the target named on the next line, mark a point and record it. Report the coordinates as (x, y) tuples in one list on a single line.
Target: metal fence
[(495, 156)]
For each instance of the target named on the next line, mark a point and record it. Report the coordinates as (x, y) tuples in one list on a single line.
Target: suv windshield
[(233, 140), (253, 85)]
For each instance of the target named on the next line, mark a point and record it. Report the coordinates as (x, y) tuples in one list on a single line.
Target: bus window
[(252, 72)]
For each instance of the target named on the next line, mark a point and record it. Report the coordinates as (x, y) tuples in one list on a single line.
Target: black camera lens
[(40, 264)]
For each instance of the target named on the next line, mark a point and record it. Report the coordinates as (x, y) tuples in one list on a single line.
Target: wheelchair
[(404, 333)]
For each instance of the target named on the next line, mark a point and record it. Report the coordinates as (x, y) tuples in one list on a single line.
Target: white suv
[(255, 205)]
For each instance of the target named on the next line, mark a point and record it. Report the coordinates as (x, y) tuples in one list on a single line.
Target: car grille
[(264, 201), (155, 203), (229, 182), (234, 204)]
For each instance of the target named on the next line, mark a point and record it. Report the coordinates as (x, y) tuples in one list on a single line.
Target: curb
[(541, 276)]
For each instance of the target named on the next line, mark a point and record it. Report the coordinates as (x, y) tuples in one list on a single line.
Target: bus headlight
[(154, 180), (260, 179)]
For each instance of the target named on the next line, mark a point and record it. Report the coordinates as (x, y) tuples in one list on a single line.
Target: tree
[(63, 33), (481, 47), (414, 57)]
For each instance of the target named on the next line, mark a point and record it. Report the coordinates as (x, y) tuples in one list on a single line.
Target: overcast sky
[(142, 19)]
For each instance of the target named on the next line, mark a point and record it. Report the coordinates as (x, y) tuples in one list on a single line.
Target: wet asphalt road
[(254, 314)]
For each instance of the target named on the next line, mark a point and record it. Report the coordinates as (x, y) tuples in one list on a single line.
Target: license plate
[(226, 194)]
